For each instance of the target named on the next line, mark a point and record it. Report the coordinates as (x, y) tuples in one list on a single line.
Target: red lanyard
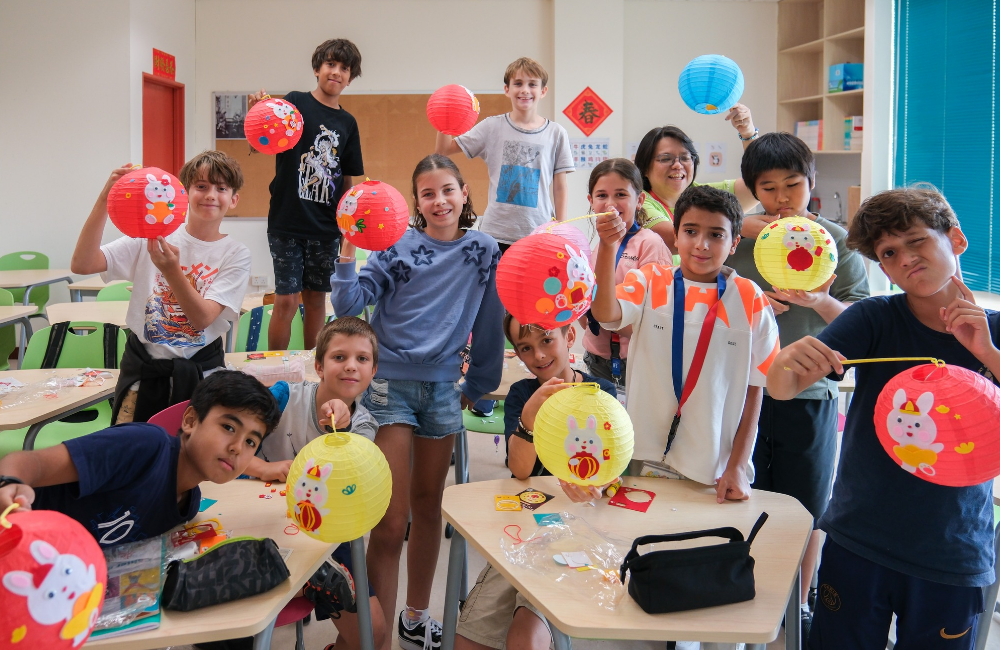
[(670, 213)]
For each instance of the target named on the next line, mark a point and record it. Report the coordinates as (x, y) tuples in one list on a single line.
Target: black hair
[(777, 151), (338, 50), (236, 390), (647, 150), (711, 200)]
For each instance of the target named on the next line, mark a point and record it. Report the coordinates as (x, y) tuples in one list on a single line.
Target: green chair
[(492, 424), (24, 260), (79, 351), (252, 332), (8, 339), (119, 291)]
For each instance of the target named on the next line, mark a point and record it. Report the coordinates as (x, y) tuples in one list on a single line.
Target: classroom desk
[(112, 312), (37, 413), (241, 510), (19, 314), (88, 287), (777, 551), (514, 370), (252, 301), (28, 279), (239, 361)]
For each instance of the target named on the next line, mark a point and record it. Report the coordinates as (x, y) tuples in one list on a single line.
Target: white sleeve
[(764, 339), (121, 256), (474, 142), (230, 284), (632, 294)]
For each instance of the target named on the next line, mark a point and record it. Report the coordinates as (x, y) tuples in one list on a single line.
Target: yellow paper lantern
[(583, 435), (338, 487), (795, 253)]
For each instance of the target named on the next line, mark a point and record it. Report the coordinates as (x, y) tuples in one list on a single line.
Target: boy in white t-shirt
[(186, 287), (713, 440)]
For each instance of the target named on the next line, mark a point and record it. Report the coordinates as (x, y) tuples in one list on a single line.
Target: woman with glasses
[(669, 162)]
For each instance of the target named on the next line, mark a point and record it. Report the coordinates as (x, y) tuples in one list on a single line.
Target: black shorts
[(302, 264), (795, 451)]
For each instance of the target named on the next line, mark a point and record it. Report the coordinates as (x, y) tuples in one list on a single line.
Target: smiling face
[(332, 78), (704, 241), (222, 444), (524, 92), (614, 191), (784, 193), (209, 201), (921, 261), (440, 199), (545, 353), (672, 168), (347, 367)]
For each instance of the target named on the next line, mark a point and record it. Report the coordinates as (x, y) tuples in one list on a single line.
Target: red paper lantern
[(147, 203), (545, 280), (273, 125), (568, 231), (52, 581), (939, 422), (453, 109), (373, 215)]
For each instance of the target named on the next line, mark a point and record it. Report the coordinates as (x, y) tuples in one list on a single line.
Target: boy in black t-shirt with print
[(309, 180)]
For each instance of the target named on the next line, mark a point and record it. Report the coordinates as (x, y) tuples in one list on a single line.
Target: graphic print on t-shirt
[(319, 167), (166, 322), (518, 182)]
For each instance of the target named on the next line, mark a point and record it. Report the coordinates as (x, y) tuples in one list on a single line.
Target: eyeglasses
[(668, 159)]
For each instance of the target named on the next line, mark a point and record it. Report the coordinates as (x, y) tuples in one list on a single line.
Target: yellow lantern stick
[(937, 362), (3, 516), (586, 216)]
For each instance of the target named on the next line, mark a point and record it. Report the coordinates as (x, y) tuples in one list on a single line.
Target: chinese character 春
[(589, 112)]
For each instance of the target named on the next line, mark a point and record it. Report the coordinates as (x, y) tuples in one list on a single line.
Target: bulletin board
[(395, 136)]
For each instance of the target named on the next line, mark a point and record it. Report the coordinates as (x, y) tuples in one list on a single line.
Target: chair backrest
[(170, 417), (252, 332), (22, 260), (119, 291), (79, 350), (8, 341)]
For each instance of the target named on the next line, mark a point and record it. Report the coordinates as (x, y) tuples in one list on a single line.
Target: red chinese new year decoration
[(164, 65), (373, 215), (273, 125), (938, 422), (52, 581), (147, 203), (587, 111), (545, 280), (452, 109)]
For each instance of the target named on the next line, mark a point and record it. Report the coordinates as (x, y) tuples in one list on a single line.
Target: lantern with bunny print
[(273, 125), (147, 203)]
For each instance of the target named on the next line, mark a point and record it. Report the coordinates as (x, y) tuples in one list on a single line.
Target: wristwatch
[(7, 480)]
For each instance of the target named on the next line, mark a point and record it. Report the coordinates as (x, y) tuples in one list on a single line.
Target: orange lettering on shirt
[(748, 294), (660, 278), (633, 289)]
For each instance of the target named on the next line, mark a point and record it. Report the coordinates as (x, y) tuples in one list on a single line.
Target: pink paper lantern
[(273, 125), (939, 423), (373, 215), (545, 280), (567, 231), (52, 581), (453, 109), (147, 203)]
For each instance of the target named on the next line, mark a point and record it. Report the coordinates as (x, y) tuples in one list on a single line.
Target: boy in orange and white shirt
[(713, 441)]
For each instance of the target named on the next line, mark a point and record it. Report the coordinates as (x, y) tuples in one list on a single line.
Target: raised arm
[(446, 145), (87, 256), (611, 230)]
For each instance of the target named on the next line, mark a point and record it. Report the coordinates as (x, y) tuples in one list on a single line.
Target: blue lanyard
[(592, 324), (621, 247), (677, 347)]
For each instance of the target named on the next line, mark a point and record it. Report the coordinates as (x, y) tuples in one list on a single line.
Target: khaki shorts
[(127, 412), (489, 610)]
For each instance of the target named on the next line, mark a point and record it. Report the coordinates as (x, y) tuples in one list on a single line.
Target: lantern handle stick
[(586, 216), (3, 516), (937, 362)]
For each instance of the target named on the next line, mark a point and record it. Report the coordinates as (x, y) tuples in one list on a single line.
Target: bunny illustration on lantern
[(61, 589), (580, 282), (160, 195), (311, 494), (802, 247), (915, 431), (346, 220), (286, 113), (584, 448)]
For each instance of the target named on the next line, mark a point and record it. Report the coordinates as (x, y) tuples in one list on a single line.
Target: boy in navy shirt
[(134, 481), (897, 543)]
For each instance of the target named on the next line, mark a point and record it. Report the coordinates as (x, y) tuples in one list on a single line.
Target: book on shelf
[(853, 132), (810, 132)]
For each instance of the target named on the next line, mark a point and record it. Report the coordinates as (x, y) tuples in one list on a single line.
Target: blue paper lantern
[(711, 84)]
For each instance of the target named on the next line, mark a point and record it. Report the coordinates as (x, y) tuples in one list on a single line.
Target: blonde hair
[(529, 67)]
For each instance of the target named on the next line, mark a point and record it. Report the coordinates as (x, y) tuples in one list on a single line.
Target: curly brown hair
[(338, 50), (896, 211), (219, 168), (436, 161)]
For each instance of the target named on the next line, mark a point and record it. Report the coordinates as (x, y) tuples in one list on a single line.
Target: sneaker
[(807, 622), (422, 636), (331, 591), (811, 600)]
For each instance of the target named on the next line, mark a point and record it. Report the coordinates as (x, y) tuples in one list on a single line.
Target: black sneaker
[(811, 600), (331, 591), (422, 636), (807, 623)]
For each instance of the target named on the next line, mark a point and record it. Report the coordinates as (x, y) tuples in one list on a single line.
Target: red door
[(162, 123)]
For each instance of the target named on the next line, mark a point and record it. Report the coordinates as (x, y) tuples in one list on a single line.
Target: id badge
[(620, 393)]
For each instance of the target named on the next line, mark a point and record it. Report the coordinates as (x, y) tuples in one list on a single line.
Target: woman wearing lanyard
[(669, 162), (617, 185)]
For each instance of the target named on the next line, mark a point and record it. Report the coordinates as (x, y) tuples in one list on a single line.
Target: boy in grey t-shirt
[(526, 154)]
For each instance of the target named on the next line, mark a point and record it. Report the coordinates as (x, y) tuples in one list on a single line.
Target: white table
[(113, 312), (19, 314), (29, 279), (88, 287)]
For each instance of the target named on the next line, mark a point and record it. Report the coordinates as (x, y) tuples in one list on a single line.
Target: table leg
[(560, 640), (75, 295), (456, 560), (793, 616), (231, 337), (461, 476), (25, 337), (262, 640), (361, 594)]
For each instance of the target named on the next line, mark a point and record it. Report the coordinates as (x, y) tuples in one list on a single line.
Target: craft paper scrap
[(632, 499), (206, 504), (532, 499), (547, 519), (507, 502), (575, 559)]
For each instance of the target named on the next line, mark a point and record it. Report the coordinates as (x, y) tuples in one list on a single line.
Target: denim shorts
[(432, 408), (302, 264)]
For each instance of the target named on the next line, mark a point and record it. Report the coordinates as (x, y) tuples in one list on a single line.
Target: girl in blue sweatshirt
[(430, 290)]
